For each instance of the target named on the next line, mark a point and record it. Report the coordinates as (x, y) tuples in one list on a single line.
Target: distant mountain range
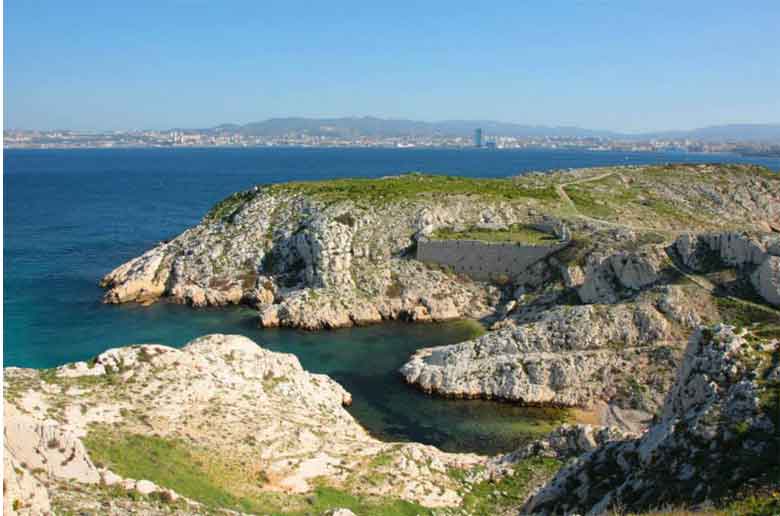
[(350, 127)]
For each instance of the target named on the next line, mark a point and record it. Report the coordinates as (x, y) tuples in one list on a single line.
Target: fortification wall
[(482, 260)]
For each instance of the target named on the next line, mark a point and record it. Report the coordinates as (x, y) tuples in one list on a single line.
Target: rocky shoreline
[(223, 426), (659, 308)]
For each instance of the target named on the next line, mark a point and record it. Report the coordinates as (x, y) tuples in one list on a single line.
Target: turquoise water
[(71, 216)]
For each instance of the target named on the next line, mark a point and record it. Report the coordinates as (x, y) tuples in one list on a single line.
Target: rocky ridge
[(337, 253), (602, 321), (619, 339), (718, 432)]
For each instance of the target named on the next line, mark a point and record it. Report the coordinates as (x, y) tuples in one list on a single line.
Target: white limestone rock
[(226, 395), (561, 359), (142, 279), (711, 426), (766, 280), (607, 276)]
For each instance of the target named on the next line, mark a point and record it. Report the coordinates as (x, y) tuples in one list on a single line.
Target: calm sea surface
[(71, 216)]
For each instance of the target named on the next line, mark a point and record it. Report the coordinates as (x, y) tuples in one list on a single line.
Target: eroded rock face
[(566, 442), (715, 433), (758, 255), (766, 280), (312, 264), (701, 252), (325, 246), (565, 358), (607, 276), (23, 493), (274, 245), (141, 279)]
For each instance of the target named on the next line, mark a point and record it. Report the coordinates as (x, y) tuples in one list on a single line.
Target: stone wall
[(483, 260)]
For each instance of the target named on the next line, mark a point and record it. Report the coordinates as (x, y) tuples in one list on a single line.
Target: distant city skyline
[(634, 68)]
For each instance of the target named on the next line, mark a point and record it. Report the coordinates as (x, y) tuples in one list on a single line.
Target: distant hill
[(350, 127), (730, 132), (381, 127)]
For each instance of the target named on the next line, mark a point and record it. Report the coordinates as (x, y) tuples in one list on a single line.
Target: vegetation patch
[(488, 498), (516, 233), (576, 252), (166, 462), (226, 209), (409, 186), (471, 329), (589, 204), (177, 465), (743, 313)]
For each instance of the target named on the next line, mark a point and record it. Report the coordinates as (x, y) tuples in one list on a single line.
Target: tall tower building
[(478, 137)]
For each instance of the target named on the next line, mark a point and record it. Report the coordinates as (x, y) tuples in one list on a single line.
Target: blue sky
[(632, 66)]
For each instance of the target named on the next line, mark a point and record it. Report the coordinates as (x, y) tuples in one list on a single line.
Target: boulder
[(142, 279), (766, 280), (607, 278)]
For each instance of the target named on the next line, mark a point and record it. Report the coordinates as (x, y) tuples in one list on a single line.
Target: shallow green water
[(365, 361)]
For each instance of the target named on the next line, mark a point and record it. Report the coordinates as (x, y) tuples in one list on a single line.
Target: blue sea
[(70, 216)]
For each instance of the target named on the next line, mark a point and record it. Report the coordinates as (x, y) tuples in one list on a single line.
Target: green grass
[(589, 204), (748, 314), (410, 186), (516, 233), (226, 209), (669, 212), (471, 329), (488, 498), (325, 498), (761, 505), (166, 462), (175, 464)]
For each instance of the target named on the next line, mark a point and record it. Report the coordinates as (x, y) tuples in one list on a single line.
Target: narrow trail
[(565, 197)]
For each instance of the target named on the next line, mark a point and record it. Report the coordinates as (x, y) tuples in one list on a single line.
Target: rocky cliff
[(717, 436), (336, 253), (223, 426)]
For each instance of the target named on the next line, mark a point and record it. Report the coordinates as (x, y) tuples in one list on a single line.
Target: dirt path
[(565, 197)]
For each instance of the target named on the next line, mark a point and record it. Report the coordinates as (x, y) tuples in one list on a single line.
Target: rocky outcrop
[(142, 279), (756, 254), (701, 252), (567, 357), (766, 280), (276, 248), (236, 406), (272, 244), (325, 246), (23, 492), (566, 442), (434, 296), (608, 277), (718, 431)]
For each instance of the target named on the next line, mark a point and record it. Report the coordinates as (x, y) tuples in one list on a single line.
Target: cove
[(365, 360), (72, 216)]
